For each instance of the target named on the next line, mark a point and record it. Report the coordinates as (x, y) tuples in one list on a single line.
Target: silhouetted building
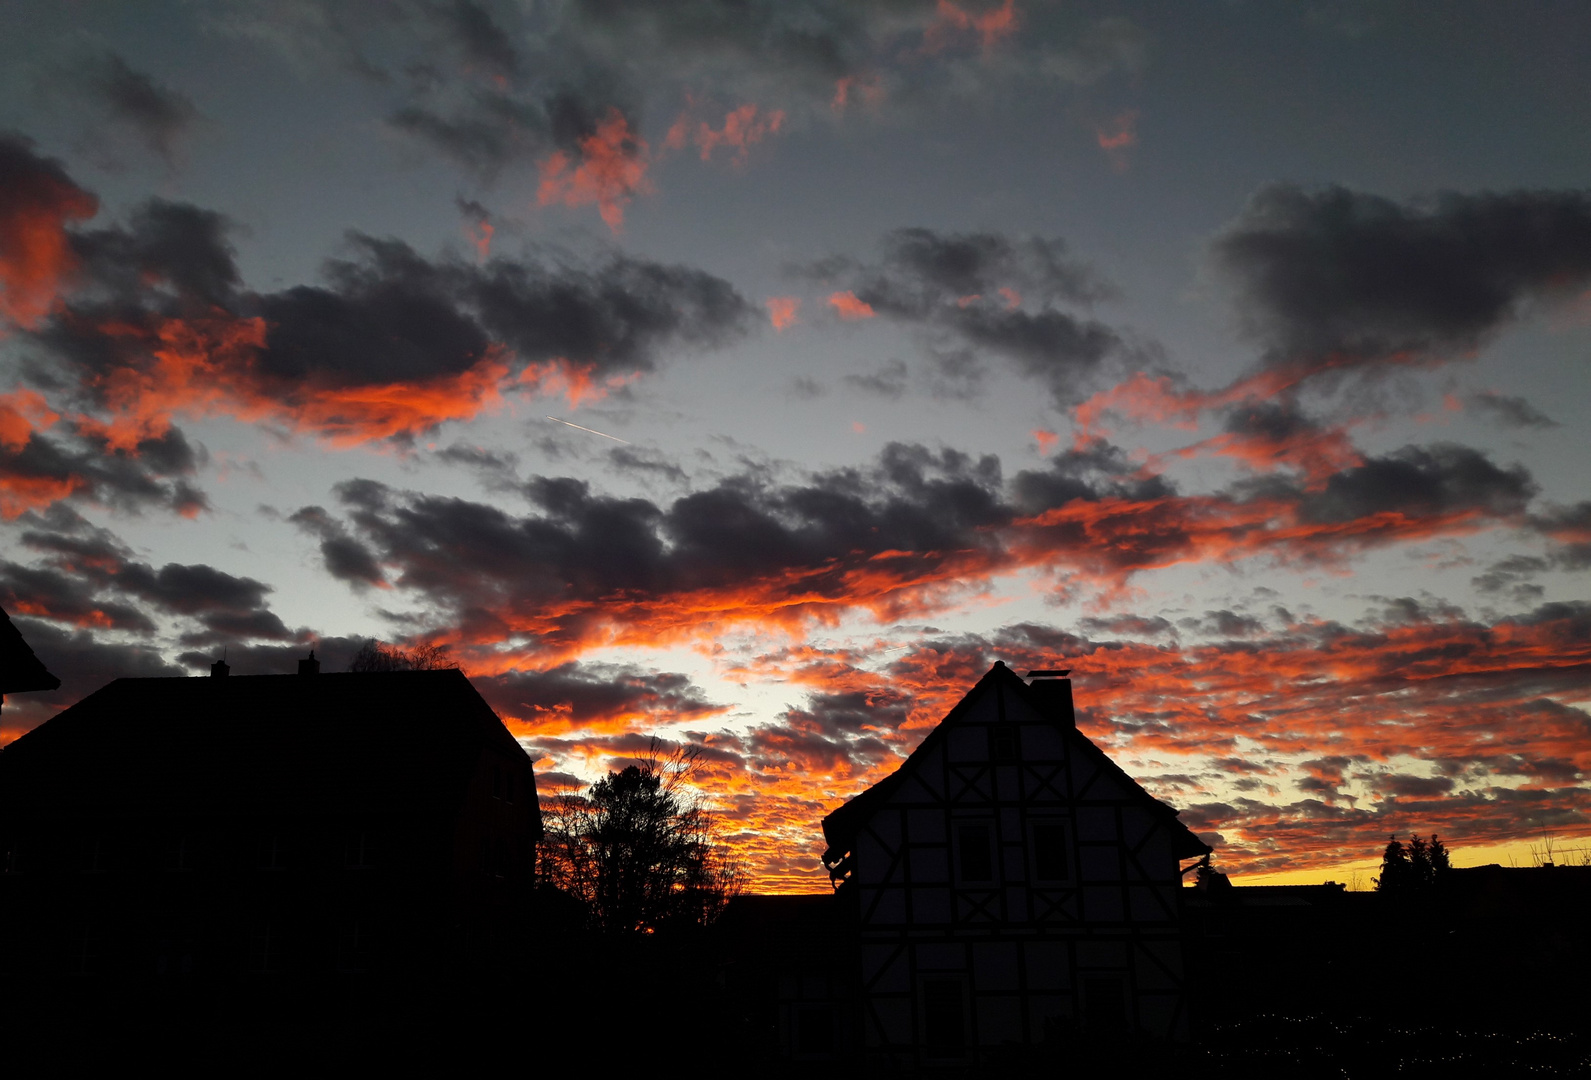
[(20, 670), (353, 824), (1011, 886)]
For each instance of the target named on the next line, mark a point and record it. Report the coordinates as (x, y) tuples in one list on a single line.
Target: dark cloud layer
[(595, 696), (88, 577), (915, 528), (1338, 277)]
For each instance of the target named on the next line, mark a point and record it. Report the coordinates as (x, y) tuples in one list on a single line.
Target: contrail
[(593, 431)]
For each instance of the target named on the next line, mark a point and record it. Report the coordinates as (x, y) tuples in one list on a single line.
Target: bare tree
[(374, 656), (640, 848)]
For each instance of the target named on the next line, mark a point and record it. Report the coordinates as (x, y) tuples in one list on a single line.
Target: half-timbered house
[(1013, 886)]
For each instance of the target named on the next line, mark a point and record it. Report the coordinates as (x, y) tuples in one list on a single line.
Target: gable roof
[(262, 744), (841, 826), (20, 670)]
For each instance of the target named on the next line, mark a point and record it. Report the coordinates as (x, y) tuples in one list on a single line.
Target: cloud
[(87, 577), (1509, 411), (916, 531), (491, 86), (888, 381), (609, 170), (743, 128), (37, 202), (782, 310), (1333, 278), (985, 292), (157, 326), (155, 113), (849, 308), (594, 697)]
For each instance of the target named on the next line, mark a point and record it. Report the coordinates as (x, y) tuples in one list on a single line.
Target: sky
[(754, 375)]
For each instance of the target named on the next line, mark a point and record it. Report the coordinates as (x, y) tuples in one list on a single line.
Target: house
[(352, 826), (1012, 886), (20, 671)]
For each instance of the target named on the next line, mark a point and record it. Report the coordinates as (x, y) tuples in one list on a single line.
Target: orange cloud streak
[(849, 308), (205, 366)]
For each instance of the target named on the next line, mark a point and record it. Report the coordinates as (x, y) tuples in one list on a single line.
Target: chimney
[(1053, 693), (220, 669), (309, 665)]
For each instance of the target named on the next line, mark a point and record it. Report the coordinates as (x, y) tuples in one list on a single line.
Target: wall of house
[(1015, 888)]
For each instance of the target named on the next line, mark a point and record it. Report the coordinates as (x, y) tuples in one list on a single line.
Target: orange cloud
[(36, 258), (871, 89), (206, 366), (1120, 132), (1154, 400), (1045, 439), (743, 128), (952, 22), (22, 412), (848, 307), (782, 310), (611, 170), (480, 234)]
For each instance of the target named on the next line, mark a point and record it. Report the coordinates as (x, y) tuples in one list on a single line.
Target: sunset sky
[(1233, 355)]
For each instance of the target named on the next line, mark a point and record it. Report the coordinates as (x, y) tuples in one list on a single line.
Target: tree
[(1421, 865), (640, 849), (374, 656), (1395, 867)]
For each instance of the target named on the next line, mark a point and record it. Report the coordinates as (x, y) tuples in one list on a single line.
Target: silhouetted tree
[(374, 656), (639, 849), (1395, 867), (1421, 865)]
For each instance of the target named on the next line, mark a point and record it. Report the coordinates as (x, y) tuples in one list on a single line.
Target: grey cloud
[(1423, 480), (986, 292), (1509, 411), (156, 114), (1335, 277)]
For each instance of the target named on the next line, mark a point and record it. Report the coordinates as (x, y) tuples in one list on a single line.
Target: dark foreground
[(612, 1017)]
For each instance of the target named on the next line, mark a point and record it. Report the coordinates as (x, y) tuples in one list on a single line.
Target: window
[(944, 1031), (1002, 744), (1049, 851), (977, 855)]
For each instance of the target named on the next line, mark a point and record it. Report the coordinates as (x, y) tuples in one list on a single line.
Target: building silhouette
[(20, 671), (309, 826), (1007, 886)]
